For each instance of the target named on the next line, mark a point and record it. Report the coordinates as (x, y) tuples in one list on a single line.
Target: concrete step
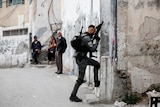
[(43, 64), (91, 98), (39, 65), (46, 62)]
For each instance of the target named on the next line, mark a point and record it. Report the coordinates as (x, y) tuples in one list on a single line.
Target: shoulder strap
[(84, 34)]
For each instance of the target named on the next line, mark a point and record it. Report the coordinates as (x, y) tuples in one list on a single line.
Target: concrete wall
[(108, 50), (39, 16), (10, 16), (13, 49), (46, 18), (138, 41)]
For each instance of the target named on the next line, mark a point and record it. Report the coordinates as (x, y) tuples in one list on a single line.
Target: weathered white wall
[(41, 26), (138, 41), (13, 49), (38, 16)]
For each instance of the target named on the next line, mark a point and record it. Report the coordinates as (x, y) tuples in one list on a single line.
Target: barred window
[(0, 3), (14, 2), (15, 32)]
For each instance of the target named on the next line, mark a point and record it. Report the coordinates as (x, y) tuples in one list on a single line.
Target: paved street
[(40, 87), (37, 87)]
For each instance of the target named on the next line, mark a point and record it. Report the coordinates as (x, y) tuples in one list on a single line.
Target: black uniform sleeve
[(64, 45), (87, 41)]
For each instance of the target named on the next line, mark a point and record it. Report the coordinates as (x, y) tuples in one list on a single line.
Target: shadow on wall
[(22, 47), (41, 31)]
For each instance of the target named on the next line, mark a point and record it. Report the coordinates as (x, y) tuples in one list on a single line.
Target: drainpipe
[(30, 29), (116, 30)]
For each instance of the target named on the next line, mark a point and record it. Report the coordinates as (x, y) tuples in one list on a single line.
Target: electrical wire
[(9, 14), (54, 17), (43, 2)]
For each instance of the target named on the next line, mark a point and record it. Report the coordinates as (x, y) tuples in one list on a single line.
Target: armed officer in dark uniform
[(82, 61)]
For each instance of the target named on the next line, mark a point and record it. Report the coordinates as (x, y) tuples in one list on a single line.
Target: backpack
[(76, 43)]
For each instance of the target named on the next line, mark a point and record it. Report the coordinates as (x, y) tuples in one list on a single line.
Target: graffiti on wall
[(149, 37), (143, 3), (139, 4), (22, 47), (153, 50), (6, 46), (11, 46)]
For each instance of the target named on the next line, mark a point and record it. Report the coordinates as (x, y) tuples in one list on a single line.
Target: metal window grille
[(15, 32), (0, 3), (14, 2)]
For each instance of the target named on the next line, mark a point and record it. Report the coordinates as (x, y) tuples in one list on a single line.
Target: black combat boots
[(75, 98)]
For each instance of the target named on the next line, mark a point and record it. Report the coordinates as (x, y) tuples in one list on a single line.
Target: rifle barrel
[(98, 28)]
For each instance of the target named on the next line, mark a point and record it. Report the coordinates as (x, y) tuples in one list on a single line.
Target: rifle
[(98, 28), (81, 31)]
